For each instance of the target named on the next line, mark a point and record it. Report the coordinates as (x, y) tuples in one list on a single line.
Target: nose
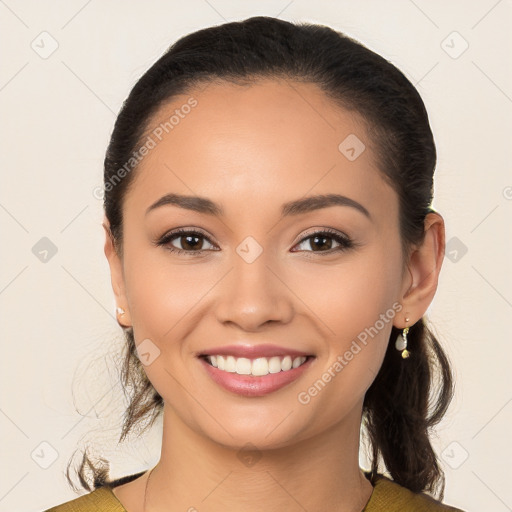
[(253, 295)]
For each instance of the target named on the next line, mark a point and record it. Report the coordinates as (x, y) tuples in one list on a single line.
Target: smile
[(255, 377)]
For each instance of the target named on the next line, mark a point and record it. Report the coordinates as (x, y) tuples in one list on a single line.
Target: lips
[(254, 370)]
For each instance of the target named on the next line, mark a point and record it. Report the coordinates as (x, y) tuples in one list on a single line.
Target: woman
[(273, 251)]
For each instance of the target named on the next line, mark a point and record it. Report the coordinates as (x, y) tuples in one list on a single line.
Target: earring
[(401, 341), (120, 311)]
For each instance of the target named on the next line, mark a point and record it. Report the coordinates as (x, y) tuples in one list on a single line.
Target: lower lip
[(248, 385)]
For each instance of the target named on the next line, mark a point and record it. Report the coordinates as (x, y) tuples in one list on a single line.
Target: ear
[(116, 276), (423, 270)]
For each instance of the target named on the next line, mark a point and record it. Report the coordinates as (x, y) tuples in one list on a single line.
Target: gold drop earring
[(401, 341)]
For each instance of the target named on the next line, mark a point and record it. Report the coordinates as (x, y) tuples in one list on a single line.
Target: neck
[(197, 473)]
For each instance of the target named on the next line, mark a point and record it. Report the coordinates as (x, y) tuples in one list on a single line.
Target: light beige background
[(58, 326)]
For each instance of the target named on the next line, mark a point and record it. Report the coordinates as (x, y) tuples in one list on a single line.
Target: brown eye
[(184, 241), (190, 242), (323, 241)]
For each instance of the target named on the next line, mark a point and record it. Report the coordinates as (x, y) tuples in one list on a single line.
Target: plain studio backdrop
[(66, 68)]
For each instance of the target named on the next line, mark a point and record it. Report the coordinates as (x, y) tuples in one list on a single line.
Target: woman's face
[(256, 282)]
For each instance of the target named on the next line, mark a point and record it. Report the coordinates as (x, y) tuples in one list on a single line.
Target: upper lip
[(253, 351)]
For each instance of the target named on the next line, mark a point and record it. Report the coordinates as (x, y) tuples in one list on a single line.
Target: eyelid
[(322, 230)]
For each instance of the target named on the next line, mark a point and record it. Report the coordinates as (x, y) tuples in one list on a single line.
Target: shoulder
[(388, 495), (100, 499)]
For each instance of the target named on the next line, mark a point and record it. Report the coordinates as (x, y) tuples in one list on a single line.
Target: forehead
[(273, 139)]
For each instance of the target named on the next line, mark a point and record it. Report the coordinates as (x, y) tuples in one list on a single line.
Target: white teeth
[(256, 367), (286, 364), (274, 365), (243, 366), (230, 364), (260, 366)]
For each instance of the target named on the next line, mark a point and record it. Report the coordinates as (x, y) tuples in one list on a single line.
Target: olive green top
[(387, 496)]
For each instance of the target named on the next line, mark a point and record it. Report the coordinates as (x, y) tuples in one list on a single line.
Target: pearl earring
[(120, 311), (401, 341)]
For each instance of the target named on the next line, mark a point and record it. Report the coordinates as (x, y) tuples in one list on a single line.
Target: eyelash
[(344, 241)]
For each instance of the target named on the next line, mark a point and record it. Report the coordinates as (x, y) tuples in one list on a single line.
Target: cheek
[(350, 297), (161, 293), (359, 310), (356, 304), (164, 300)]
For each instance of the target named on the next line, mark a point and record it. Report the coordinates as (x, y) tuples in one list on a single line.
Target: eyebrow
[(297, 207)]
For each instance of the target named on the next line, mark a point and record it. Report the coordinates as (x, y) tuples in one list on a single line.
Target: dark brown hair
[(402, 404)]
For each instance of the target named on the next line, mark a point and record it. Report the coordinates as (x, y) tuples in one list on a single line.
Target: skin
[(251, 149)]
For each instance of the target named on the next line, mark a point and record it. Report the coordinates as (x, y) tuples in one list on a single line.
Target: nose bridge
[(252, 294)]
